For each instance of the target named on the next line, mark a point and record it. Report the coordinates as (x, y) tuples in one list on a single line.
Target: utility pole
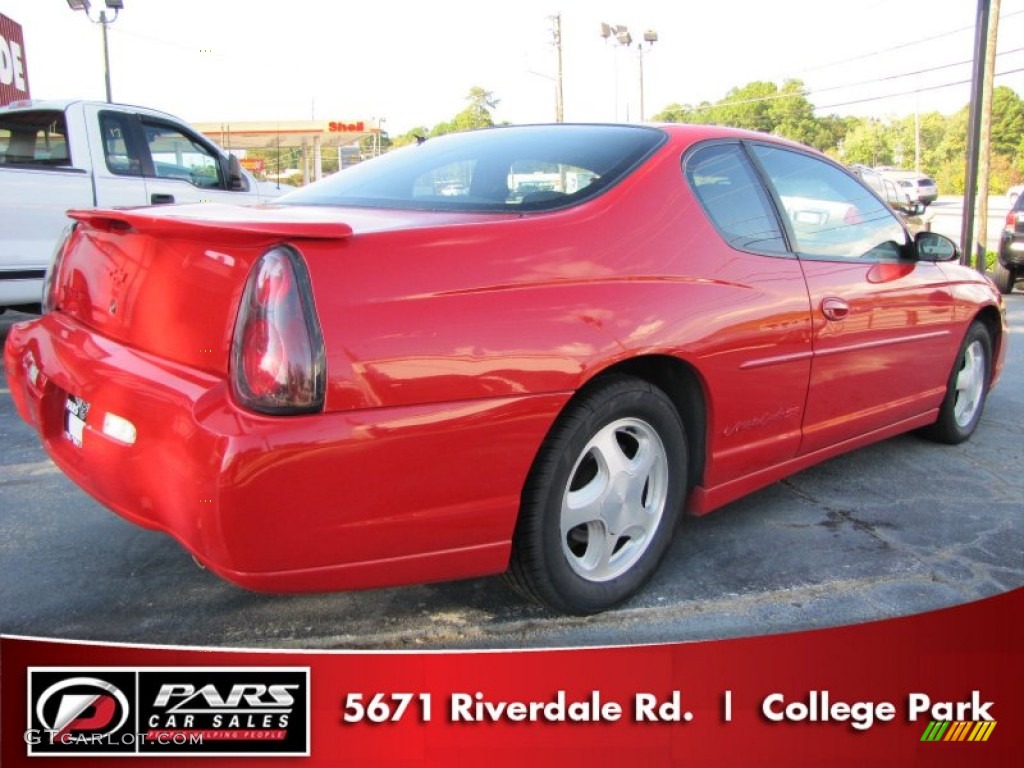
[(984, 159), (556, 31), (974, 132)]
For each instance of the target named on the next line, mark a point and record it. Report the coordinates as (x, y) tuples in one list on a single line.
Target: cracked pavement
[(898, 528)]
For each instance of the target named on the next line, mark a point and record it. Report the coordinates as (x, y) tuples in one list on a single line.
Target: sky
[(412, 63)]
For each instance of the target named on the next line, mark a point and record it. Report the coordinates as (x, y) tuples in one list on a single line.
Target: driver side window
[(177, 156), (831, 214)]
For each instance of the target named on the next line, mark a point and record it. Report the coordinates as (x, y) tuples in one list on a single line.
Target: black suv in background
[(1010, 261)]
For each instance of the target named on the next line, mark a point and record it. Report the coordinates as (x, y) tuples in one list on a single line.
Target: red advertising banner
[(13, 66), (938, 689)]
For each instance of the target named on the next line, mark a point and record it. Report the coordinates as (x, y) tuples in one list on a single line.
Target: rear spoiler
[(212, 219)]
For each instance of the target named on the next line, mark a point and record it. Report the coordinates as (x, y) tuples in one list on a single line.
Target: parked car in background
[(372, 382), (56, 155), (1009, 266), (918, 187), (1014, 192), (897, 198)]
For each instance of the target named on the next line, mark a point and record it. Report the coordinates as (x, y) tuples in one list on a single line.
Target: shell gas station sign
[(13, 69)]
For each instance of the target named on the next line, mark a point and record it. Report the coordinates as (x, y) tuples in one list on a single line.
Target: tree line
[(940, 140)]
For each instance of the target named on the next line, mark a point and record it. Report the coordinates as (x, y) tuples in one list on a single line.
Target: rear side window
[(508, 169), (731, 194), (36, 139)]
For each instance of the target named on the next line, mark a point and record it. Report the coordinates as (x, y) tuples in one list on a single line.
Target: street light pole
[(650, 37), (114, 5), (623, 38), (618, 34), (106, 55)]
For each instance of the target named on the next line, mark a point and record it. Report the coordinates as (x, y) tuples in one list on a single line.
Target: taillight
[(277, 351), (1011, 221), (52, 280)]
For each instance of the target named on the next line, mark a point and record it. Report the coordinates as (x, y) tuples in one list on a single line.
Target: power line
[(811, 91), (914, 90), (905, 74), (901, 46)]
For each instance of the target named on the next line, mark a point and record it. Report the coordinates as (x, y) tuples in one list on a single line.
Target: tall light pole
[(618, 34), (623, 38), (112, 5), (650, 38), (380, 136)]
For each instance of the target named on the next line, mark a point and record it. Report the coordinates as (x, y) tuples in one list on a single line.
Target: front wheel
[(602, 498), (966, 389)]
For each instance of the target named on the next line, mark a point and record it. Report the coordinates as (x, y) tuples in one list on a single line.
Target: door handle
[(160, 199), (834, 308)]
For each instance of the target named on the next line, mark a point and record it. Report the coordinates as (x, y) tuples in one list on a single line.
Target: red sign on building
[(254, 164), (13, 69)]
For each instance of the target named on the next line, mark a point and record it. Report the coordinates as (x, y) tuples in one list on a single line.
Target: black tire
[(618, 455), (966, 389), (1004, 278)]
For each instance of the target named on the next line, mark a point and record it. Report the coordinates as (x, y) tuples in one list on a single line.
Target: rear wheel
[(1003, 277), (966, 389), (602, 498)]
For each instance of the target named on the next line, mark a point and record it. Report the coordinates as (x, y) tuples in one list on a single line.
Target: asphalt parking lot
[(898, 528)]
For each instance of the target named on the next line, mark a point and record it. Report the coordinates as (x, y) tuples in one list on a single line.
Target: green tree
[(747, 107), (477, 114), (410, 136), (792, 115), (675, 113), (763, 106), (1007, 121), (868, 143)]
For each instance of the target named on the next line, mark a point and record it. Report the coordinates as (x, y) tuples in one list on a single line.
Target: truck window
[(34, 139), (178, 156), (119, 148)]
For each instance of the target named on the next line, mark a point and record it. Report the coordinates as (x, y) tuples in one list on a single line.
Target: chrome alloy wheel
[(614, 500), (970, 384)]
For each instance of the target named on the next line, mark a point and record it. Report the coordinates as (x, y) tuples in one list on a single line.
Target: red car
[(525, 349)]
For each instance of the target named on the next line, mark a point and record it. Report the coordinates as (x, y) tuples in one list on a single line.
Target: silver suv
[(917, 187)]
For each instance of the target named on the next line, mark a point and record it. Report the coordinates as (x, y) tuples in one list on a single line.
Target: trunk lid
[(168, 281)]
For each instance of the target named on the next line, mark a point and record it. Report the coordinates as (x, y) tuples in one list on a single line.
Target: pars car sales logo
[(113, 711)]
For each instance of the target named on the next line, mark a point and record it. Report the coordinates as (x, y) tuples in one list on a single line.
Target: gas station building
[(311, 136)]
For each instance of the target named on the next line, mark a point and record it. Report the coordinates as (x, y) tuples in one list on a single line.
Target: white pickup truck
[(55, 156)]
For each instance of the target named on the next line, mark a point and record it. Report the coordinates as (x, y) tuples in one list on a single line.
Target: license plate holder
[(76, 410)]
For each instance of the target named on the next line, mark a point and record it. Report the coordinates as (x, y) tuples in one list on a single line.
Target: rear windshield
[(33, 139), (504, 169)]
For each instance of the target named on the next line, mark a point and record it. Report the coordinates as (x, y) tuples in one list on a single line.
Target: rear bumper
[(308, 503)]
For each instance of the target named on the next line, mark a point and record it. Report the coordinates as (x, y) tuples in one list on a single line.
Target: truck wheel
[(1004, 278), (602, 499)]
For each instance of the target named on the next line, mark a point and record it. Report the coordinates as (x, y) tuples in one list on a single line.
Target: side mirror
[(236, 180), (931, 246)]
